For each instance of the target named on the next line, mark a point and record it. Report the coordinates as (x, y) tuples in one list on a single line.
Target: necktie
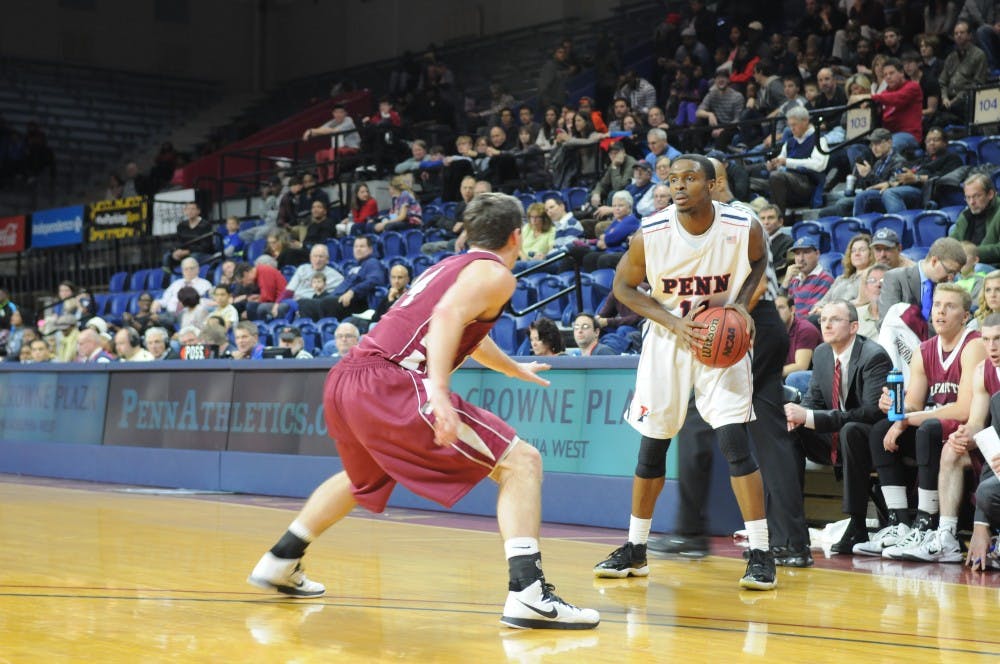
[(837, 375), (927, 299)]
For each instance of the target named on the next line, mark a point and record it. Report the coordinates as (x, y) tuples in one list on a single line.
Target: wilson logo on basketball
[(706, 345)]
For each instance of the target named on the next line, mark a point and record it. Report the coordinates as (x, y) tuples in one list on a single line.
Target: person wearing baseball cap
[(887, 247), (806, 280), (617, 176), (872, 176)]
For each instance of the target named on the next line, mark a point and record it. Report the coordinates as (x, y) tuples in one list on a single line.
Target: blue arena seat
[(842, 230), (413, 240), (392, 244), (813, 230), (831, 262), (989, 150), (504, 333), (116, 284), (929, 226)]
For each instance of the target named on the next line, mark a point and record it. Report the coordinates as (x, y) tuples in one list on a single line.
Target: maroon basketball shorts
[(377, 412)]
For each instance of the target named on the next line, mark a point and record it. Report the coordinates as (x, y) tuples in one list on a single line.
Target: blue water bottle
[(894, 382)]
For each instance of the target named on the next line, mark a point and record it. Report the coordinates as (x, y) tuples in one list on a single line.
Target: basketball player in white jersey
[(695, 253)]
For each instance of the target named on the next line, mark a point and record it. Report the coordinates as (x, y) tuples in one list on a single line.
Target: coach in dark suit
[(915, 284), (833, 428)]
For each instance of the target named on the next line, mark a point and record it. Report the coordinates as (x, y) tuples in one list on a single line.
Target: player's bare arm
[(973, 353), (480, 293), (492, 357), (630, 273), (960, 441)]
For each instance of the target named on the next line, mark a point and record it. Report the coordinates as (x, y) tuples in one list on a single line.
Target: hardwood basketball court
[(103, 573)]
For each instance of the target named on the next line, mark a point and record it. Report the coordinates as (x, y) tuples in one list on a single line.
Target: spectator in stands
[(911, 187), (291, 337), (313, 192), (321, 227), (615, 178), (869, 320), (115, 188), (659, 147), (195, 311), (923, 431), (195, 238), (873, 176), (806, 280), (344, 140), (639, 92), (613, 314), (247, 338), (224, 309), (499, 100), (612, 238), (135, 183), (722, 105), (399, 282), (404, 213), (128, 346), (293, 205), (800, 167), (803, 337), (585, 333), (233, 245), (381, 134), (963, 69), (989, 297), (364, 208), (552, 79), (546, 339), (693, 49), (351, 295), (529, 161), (915, 285), (89, 348), (215, 335), (888, 249), (187, 336), (270, 284), (902, 104), (576, 153), (526, 116), (988, 33), (979, 222), (858, 257), (158, 344), (281, 247), (547, 131), (67, 336), (929, 86), (830, 95), (40, 351), (835, 428), (772, 219), (418, 155), (568, 229), (300, 285), (661, 197), (14, 333), (168, 307), (345, 337), (970, 278), (538, 236)]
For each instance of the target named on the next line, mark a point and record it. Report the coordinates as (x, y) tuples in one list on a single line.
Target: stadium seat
[(263, 332), (413, 240), (540, 196), (288, 271), (392, 244), (989, 150), (831, 262), (929, 226), (504, 333), (157, 280), (116, 284), (601, 281), (842, 230), (548, 287), (576, 197), (915, 253), (953, 211), (448, 209), (526, 200), (421, 263), (327, 328), (310, 333), (255, 249), (138, 280), (967, 154), (329, 349)]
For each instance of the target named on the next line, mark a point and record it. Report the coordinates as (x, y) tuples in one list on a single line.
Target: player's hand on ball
[(741, 310), (690, 333), (528, 371)]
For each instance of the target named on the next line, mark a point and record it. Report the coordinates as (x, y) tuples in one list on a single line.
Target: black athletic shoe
[(785, 556), (627, 560), (683, 546), (760, 574)]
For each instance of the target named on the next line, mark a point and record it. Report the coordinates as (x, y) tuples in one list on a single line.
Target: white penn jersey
[(772, 277), (685, 271)]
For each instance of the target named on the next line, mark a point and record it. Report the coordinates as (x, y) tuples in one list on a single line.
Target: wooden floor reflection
[(101, 574)]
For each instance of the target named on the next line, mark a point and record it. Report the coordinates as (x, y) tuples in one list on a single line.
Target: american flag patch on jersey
[(731, 239)]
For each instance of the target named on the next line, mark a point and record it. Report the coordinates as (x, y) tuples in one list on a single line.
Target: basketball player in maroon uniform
[(390, 410), (937, 402)]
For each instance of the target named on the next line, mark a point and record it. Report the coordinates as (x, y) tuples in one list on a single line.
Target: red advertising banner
[(12, 233)]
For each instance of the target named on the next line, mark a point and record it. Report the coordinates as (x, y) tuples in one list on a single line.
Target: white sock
[(520, 546), (757, 534), (927, 501), (895, 497), (301, 531), (638, 529), (949, 523)]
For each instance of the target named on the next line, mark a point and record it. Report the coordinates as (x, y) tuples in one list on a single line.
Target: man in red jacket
[(902, 104), (270, 285)]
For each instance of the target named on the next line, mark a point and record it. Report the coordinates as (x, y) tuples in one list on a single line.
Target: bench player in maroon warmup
[(390, 410)]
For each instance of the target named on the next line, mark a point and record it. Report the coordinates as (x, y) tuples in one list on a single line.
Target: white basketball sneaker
[(937, 546), (284, 575), (883, 539), (538, 607)]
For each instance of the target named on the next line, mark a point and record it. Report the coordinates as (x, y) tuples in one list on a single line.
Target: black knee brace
[(734, 442), (652, 463)]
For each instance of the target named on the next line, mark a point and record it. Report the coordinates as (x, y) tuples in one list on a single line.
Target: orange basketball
[(727, 338)]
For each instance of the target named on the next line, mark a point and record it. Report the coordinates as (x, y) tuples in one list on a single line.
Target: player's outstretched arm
[(491, 356)]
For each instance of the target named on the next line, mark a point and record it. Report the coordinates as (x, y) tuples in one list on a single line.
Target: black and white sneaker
[(284, 575), (627, 560), (679, 546), (760, 574), (538, 607)]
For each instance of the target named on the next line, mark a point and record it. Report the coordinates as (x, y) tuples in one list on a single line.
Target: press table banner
[(57, 227), (57, 407), (576, 423), (13, 233), (118, 219)]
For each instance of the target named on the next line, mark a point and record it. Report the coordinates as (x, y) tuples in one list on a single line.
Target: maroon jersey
[(943, 370), (991, 377), (401, 334)]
